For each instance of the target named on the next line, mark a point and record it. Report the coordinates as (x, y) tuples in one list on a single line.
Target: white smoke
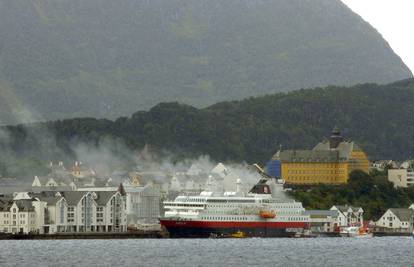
[(111, 156)]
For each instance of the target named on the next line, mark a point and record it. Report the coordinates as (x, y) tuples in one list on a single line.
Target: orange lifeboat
[(267, 214)]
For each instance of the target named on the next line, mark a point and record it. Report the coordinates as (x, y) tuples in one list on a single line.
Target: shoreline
[(69, 236), (140, 235)]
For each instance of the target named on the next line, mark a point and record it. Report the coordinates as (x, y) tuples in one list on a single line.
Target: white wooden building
[(349, 216), (397, 220), (69, 211), (323, 221)]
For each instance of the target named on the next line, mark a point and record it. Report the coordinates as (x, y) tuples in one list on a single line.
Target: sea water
[(378, 251)]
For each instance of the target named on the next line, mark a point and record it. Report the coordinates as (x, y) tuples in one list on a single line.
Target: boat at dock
[(355, 231), (265, 211)]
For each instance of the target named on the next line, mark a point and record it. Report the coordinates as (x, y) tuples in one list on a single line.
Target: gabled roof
[(23, 205), (73, 197), (403, 215), (50, 200), (103, 197), (43, 194), (42, 179), (344, 148), (5, 202), (345, 208)]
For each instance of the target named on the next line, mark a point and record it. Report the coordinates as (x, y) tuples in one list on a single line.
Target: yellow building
[(329, 162)]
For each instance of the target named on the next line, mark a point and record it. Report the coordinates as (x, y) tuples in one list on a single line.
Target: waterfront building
[(54, 212), (17, 216), (323, 221), (348, 215), (70, 211), (401, 177), (102, 211), (142, 202), (329, 162), (396, 220)]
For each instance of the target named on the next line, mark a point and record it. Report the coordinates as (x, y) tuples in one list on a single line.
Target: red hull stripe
[(215, 224)]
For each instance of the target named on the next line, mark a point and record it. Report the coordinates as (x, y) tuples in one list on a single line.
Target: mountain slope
[(378, 118), (106, 58)]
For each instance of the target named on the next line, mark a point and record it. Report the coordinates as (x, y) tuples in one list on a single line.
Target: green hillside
[(378, 117), (105, 59)]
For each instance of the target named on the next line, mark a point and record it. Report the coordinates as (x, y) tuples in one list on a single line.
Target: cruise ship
[(265, 211)]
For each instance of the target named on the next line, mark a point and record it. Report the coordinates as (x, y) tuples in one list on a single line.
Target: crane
[(261, 187)]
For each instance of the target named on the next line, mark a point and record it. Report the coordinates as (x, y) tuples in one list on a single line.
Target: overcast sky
[(394, 19)]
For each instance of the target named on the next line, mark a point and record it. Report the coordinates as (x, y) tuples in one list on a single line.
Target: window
[(62, 212)]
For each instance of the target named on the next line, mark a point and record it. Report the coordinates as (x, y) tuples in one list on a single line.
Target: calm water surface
[(379, 251)]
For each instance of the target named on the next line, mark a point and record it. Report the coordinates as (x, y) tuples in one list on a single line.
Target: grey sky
[(394, 19)]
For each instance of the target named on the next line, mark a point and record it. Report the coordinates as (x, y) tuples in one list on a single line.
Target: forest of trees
[(378, 117)]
